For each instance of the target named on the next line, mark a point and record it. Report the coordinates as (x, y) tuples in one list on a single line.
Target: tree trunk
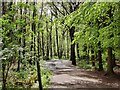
[(100, 60), (110, 62), (3, 64), (51, 38), (31, 43), (57, 40), (34, 30), (24, 32), (113, 59), (43, 52), (78, 54), (54, 47), (4, 79), (47, 53), (72, 55), (38, 64), (20, 43), (85, 51), (100, 57), (93, 57), (67, 45)]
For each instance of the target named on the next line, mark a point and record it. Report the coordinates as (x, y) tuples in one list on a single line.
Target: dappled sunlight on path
[(69, 76)]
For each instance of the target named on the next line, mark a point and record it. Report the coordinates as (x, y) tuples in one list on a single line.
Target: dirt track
[(68, 76)]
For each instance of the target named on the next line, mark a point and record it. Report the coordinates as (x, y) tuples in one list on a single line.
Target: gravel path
[(68, 76)]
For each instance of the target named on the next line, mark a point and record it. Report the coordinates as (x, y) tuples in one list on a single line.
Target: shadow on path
[(69, 76)]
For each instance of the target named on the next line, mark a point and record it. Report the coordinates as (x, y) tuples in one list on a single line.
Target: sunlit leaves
[(95, 16)]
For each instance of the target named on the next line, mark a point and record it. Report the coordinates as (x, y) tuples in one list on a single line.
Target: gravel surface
[(69, 76)]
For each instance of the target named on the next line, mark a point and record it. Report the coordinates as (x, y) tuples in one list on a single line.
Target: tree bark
[(3, 63), (24, 31), (78, 54), (51, 38), (100, 57), (43, 52), (57, 39), (113, 59), (92, 57), (100, 60), (38, 64), (54, 47), (34, 30), (47, 53), (38, 59), (67, 44), (72, 56), (110, 62)]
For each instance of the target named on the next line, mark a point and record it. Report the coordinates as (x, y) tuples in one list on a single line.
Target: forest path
[(66, 75)]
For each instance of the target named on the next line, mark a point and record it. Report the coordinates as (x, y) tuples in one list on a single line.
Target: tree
[(110, 62), (51, 36), (3, 64), (70, 7), (99, 28), (37, 61)]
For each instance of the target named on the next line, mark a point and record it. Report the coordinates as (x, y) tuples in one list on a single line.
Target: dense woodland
[(31, 33)]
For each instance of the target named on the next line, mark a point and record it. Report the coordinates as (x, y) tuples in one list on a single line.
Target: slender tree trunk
[(61, 45), (43, 52), (3, 74), (100, 60), (85, 51), (34, 30), (18, 67), (93, 57), (3, 63), (31, 43), (72, 31), (51, 38), (87, 57), (38, 64), (54, 47), (24, 32), (72, 55), (34, 50), (78, 54), (31, 49), (100, 57), (67, 45), (38, 43), (47, 53), (57, 39), (110, 62)]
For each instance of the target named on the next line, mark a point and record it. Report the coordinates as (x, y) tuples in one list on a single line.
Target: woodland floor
[(67, 76)]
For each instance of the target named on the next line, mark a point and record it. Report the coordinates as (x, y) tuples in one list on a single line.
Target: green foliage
[(46, 75), (94, 22), (96, 27), (27, 78), (84, 64), (17, 28), (97, 22)]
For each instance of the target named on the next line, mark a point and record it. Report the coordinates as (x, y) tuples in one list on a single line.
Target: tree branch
[(65, 8), (58, 9)]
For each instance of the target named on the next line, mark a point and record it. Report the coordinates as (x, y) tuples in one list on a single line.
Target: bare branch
[(65, 8), (58, 9), (41, 11)]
